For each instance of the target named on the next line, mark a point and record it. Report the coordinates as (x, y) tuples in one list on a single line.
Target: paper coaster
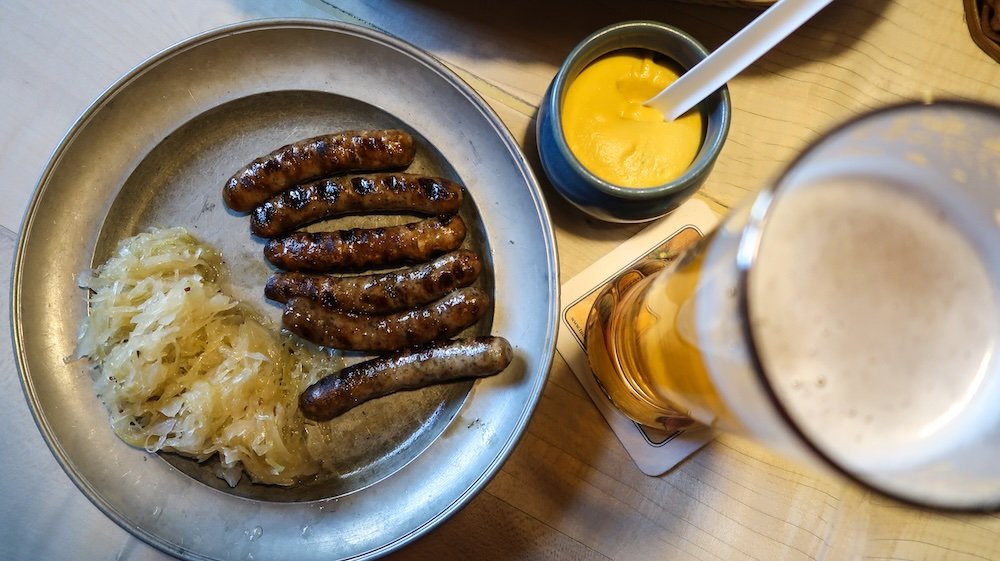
[(655, 452)]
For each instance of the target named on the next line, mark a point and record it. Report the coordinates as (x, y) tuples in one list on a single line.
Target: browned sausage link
[(353, 332), (380, 293), (360, 248), (316, 157), (444, 361), (311, 202)]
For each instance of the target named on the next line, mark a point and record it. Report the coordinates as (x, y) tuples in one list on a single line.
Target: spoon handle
[(763, 33)]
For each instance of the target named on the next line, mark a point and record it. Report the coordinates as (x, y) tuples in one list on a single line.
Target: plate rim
[(547, 350)]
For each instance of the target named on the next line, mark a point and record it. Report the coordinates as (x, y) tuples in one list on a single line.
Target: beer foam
[(875, 318)]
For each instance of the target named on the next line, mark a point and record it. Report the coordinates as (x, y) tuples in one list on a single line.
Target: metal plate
[(154, 150)]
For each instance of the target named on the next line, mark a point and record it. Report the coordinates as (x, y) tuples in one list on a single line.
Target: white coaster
[(655, 452)]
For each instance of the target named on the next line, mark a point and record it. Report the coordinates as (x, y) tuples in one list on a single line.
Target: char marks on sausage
[(311, 202), (361, 248), (354, 332), (380, 293), (312, 158)]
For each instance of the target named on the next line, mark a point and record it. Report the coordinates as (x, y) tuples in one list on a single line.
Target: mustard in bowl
[(608, 154)]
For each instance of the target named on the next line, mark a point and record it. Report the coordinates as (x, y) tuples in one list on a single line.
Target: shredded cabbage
[(183, 367)]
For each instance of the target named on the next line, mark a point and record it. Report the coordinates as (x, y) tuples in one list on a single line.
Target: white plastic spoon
[(763, 33)]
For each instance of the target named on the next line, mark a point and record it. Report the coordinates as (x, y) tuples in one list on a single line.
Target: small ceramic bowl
[(596, 196)]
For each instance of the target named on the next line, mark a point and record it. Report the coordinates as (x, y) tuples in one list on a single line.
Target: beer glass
[(847, 315)]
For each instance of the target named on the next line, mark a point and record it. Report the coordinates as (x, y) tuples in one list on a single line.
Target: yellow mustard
[(616, 137)]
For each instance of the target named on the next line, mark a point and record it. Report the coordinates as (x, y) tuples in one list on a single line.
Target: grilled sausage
[(354, 332), (380, 293), (313, 158), (360, 248), (436, 363), (311, 202)]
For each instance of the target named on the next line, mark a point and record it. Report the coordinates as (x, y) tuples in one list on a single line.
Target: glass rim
[(746, 256)]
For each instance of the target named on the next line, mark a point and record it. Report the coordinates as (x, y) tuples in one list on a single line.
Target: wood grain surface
[(569, 491)]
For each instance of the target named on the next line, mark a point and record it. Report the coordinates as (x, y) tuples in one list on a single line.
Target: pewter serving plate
[(154, 151)]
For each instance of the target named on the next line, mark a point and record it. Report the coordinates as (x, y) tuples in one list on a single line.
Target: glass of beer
[(847, 315)]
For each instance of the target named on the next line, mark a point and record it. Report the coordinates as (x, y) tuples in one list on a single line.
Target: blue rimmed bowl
[(593, 195)]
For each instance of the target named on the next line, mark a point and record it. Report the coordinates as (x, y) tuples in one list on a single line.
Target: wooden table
[(569, 491)]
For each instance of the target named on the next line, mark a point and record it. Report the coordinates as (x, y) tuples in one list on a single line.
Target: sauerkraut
[(183, 367)]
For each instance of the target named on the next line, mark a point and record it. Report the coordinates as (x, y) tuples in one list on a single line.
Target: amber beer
[(651, 366), (848, 317)]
